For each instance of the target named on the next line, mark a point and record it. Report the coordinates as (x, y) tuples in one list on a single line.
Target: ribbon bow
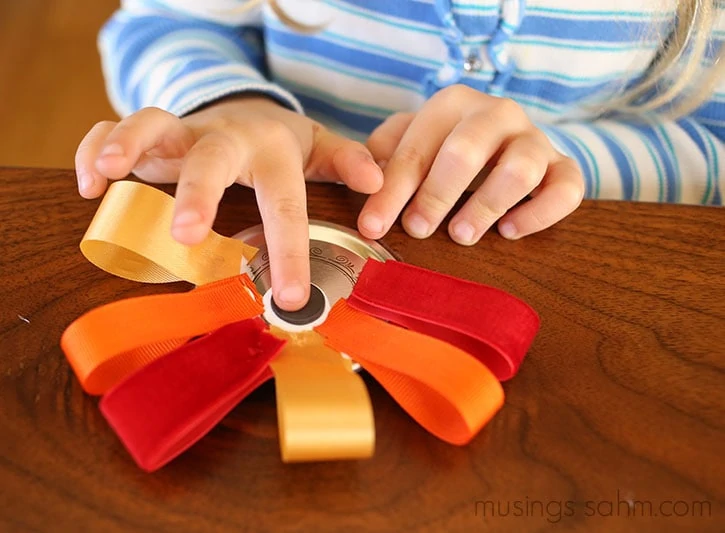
[(169, 367)]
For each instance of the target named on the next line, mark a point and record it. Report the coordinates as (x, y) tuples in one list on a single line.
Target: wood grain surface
[(615, 421)]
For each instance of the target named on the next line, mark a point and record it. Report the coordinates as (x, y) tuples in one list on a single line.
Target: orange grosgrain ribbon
[(442, 387), (130, 237), (112, 341)]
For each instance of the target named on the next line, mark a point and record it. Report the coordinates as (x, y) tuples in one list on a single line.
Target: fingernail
[(372, 223), (417, 225), (464, 232), (112, 149), (292, 293), (85, 181), (507, 230), (187, 218)]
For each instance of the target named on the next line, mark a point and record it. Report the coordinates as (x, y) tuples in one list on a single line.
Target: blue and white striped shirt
[(558, 59)]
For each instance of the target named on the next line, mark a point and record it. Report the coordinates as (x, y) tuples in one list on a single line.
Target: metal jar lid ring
[(337, 257)]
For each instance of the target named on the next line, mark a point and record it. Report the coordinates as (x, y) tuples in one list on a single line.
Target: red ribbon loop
[(490, 324), (164, 408)]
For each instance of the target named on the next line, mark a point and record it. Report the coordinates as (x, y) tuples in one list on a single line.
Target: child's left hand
[(440, 150)]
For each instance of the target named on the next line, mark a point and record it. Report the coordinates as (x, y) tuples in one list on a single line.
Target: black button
[(309, 313)]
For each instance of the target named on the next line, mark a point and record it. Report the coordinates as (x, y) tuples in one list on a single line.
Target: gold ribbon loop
[(323, 409), (130, 237)]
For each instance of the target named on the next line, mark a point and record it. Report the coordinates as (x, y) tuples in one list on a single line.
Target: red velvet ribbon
[(165, 407), (490, 324)]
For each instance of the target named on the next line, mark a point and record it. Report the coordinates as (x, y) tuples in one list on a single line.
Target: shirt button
[(472, 63)]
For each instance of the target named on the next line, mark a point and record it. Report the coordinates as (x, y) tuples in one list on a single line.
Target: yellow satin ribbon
[(323, 409), (130, 237)]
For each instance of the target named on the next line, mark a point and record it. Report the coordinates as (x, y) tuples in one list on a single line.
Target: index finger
[(279, 185)]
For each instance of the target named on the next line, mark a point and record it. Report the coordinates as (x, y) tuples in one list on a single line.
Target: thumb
[(338, 159)]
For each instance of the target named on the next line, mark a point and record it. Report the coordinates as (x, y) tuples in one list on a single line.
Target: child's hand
[(252, 141), (434, 155)]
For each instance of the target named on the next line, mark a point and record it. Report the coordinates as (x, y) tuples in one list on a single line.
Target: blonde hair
[(682, 60), (682, 57)]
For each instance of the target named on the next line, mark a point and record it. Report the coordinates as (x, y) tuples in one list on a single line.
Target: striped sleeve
[(651, 159), (178, 56), (659, 161)]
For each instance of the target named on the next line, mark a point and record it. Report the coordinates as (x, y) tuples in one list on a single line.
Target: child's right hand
[(248, 140)]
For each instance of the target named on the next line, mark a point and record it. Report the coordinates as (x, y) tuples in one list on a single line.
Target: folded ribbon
[(443, 388), (164, 391), (172, 366), (486, 322), (168, 405), (324, 411), (323, 408), (130, 237), (112, 341)]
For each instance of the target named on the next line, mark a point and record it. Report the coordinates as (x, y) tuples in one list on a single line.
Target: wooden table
[(616, 415)]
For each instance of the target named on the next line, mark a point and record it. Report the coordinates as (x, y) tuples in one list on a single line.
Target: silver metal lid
[(337, 256)]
